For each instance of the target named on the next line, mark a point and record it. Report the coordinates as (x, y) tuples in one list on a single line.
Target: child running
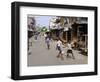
[(59, 48), (69, 51)]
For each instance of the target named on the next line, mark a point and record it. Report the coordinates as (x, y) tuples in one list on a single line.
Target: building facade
[(74, 29)]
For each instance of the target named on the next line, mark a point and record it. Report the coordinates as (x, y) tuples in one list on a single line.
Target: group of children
[(61, 52), (59, 47)]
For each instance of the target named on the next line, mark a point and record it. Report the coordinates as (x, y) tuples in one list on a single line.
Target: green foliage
[(44, 29)]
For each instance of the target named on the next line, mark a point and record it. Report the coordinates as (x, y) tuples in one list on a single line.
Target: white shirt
[(45, 35), (69, 46), (59, 43)]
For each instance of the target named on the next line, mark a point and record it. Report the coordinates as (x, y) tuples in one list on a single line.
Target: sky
[(43, 20)]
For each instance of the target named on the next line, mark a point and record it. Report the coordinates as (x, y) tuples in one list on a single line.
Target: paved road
[(41, 56)]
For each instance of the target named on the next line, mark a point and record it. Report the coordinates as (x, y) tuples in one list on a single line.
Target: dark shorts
[(69, 51), (59, 48)]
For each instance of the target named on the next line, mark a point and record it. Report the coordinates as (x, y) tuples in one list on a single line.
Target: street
[(41, 56)]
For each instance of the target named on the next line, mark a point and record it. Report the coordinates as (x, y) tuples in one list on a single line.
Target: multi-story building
[(31, 23), (72, 29), (76, 30), (56, 27)]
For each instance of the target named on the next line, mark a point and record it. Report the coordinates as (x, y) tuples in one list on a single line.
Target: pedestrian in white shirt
[(59, 48), (70, 51), (45, 36)]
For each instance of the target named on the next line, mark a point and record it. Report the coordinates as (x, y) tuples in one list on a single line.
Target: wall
[(5, 41)]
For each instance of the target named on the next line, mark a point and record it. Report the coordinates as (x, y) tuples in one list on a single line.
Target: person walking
[(45, 36), (36, 35), (47, 40)]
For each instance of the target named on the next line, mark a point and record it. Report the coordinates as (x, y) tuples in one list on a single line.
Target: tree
[(44, 29)]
